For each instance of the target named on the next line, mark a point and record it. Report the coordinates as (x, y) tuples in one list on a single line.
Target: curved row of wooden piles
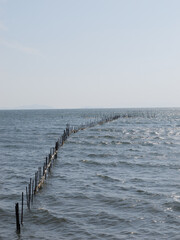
[(36, 183)]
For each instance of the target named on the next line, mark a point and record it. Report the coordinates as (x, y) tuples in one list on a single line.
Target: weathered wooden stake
[(27, 198), (30, 193), (32, 190), (43, 170), (18, 228), (46, 162), (39, 173), (22, 209), (35, 184), (56, 146)]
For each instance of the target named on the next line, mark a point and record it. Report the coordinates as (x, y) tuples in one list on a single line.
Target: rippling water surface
[(119, 180)]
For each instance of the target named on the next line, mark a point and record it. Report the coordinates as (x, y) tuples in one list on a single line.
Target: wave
[(101, 155), (13, 146), (147, 164), (45, 216), (121, 142), (114, 200), (3, 212), (103, 143), (108, 178), (173, 204), (96, 163), (109, 137)]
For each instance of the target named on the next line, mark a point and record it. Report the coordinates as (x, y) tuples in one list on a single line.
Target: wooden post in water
[(22, 209), (46, 161), (36, 175), (39, 170), (64, 135), (67, 129), (43, 169), (32, 190), (30, 193), (27, 198), (56, 146), (18, 228)]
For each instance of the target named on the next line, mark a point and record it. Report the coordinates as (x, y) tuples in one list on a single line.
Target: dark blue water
[(119, 180)]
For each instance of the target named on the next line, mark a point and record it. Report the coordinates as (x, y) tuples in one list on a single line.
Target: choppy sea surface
[(119, 180)]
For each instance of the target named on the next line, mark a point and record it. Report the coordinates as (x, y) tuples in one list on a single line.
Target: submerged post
[(18, 228)]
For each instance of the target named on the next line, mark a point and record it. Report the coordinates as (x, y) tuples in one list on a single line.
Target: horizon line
[(77, 108)]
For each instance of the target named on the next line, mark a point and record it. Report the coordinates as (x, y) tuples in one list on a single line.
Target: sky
[(89, 53)]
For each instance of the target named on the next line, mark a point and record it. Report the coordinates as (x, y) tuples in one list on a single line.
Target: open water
[(119, 180)]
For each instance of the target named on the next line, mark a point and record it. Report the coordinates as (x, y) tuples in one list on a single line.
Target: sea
[(117, 180)]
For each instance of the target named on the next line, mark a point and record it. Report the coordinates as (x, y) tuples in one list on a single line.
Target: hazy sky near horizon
[(90, 53)]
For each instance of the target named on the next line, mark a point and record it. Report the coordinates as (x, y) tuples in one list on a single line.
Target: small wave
[(126, 163), (149, 144), (176, 198), (13, 146), (3, 212), (108, 178), (168, 143), (111, 200), (6, 213), (173, 204), (107, 130), (51, 134), (176, 206), (82, 142), (119, 142), (91, 162), (137, 180), (91, 137), (76, 195), (10, 196), (108, 137), (145, 192), (68, 163), (106, 216), (103, 143), (102, 155), (44, 216), (148, 164)]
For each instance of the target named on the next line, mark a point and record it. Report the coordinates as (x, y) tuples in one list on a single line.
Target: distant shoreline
[(51, 108)]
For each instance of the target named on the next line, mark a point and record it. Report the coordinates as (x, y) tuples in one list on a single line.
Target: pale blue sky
[(90, 53)]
